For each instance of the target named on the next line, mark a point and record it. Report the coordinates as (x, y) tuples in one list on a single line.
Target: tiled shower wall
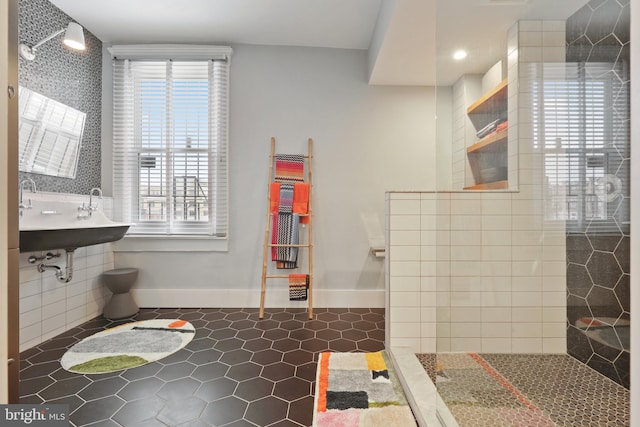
[(71, 77), (598, 251), (475, 271), (49, 307)]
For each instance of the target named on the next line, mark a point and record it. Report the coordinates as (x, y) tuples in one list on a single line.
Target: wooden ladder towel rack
[(267, 231)]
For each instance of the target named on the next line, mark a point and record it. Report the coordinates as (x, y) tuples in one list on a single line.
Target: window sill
[(171, 244)]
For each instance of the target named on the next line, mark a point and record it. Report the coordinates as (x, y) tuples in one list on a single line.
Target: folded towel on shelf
[(502, 126), (274, 196), (289, 167), (298, 287), (301, 200)]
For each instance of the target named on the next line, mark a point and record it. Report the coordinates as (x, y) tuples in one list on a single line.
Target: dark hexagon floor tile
[(229, 344), (74, 402), (216, 389), (244, 371), (254, 389), (178, 389), (377, 334), (354, 334), (235, 314), (277, 371), (291, 325), (139, 389), (266, 411), (307, 371), (292, 389), (177, 412), (286, 344), (64, 388), (267, 324), (257, 344), (179, 356), (210, 371), (224, 411), (301, 334), (275, 334), (266, 357), (315, 345), (236, 356), (242, 324), (249, 334), (103, 388), (134, 412), (370, 345), (340, 325), (96, 410), (175, 371), (301, 411), (203, 357), (211, 317), (328, 334), (199, 344), (144, 371), (34, 385), (366, 325), (328, 316), (48, 356), (342, 345), (298, 357)]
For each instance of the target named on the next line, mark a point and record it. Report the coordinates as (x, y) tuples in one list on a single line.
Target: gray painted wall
[(368, 139)]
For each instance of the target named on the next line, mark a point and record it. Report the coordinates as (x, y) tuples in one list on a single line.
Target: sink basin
[(55, 225)]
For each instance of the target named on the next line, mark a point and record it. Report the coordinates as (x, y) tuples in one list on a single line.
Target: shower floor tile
[(526, 390), (242, 371)]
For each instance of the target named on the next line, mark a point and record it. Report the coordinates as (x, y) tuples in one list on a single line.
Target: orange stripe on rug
[(323, 382), (504, 382)]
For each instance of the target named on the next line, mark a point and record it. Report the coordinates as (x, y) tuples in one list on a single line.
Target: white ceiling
[(412, 40)]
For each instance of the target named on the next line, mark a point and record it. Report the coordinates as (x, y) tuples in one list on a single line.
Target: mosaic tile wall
[(71, 77), (598, 252)]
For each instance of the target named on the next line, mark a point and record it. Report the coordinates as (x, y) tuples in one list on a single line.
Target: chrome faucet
[(21, 204), (93, 190)]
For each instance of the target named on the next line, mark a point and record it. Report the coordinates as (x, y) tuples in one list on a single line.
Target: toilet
[(119, 282)]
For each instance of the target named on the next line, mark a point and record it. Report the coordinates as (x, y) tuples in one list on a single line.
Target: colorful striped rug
[(359, 390)]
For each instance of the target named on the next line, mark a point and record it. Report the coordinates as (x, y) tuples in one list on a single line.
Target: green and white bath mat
[(127, 346)]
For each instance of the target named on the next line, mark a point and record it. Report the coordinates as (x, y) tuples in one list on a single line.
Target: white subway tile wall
[(488, 279), (49, 307)]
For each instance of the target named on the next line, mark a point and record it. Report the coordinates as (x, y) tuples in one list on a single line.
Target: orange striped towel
[(274, 191), (301, 200)]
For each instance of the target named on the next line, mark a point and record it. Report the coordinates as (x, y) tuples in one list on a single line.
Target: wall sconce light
[(73, 37)]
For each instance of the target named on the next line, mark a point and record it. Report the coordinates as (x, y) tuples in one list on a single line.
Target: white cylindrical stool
[(119, 282)]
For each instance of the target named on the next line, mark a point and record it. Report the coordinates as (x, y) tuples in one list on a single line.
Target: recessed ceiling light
[(459, 55)]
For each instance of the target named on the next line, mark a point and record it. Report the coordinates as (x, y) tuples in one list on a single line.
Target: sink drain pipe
[(63, 276)]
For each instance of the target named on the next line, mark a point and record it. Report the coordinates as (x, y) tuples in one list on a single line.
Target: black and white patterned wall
[(598, 251), (71, 77)]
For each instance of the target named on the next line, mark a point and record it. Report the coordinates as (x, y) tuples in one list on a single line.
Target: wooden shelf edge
[(488, 141), (497, 185), (502, 86)]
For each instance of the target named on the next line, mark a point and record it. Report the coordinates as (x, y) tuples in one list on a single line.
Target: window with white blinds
[(170, 157), (572, 126)]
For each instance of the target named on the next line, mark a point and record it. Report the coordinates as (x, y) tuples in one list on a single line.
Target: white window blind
[(572, 125), (170, 157)]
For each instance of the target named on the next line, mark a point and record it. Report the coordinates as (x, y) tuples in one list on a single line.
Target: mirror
[(50, 135)]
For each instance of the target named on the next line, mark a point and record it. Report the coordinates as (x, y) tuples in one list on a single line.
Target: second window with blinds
[(170, 146)]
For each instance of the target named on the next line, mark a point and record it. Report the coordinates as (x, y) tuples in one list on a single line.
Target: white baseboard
[(231, 298)]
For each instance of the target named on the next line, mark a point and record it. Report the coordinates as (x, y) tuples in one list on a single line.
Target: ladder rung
[(278, 276), (284, 245)]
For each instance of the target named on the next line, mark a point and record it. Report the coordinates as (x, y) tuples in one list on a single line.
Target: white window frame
[(173, 242)]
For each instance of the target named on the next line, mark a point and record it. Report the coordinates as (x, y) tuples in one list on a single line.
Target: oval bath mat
[(127, 346)]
